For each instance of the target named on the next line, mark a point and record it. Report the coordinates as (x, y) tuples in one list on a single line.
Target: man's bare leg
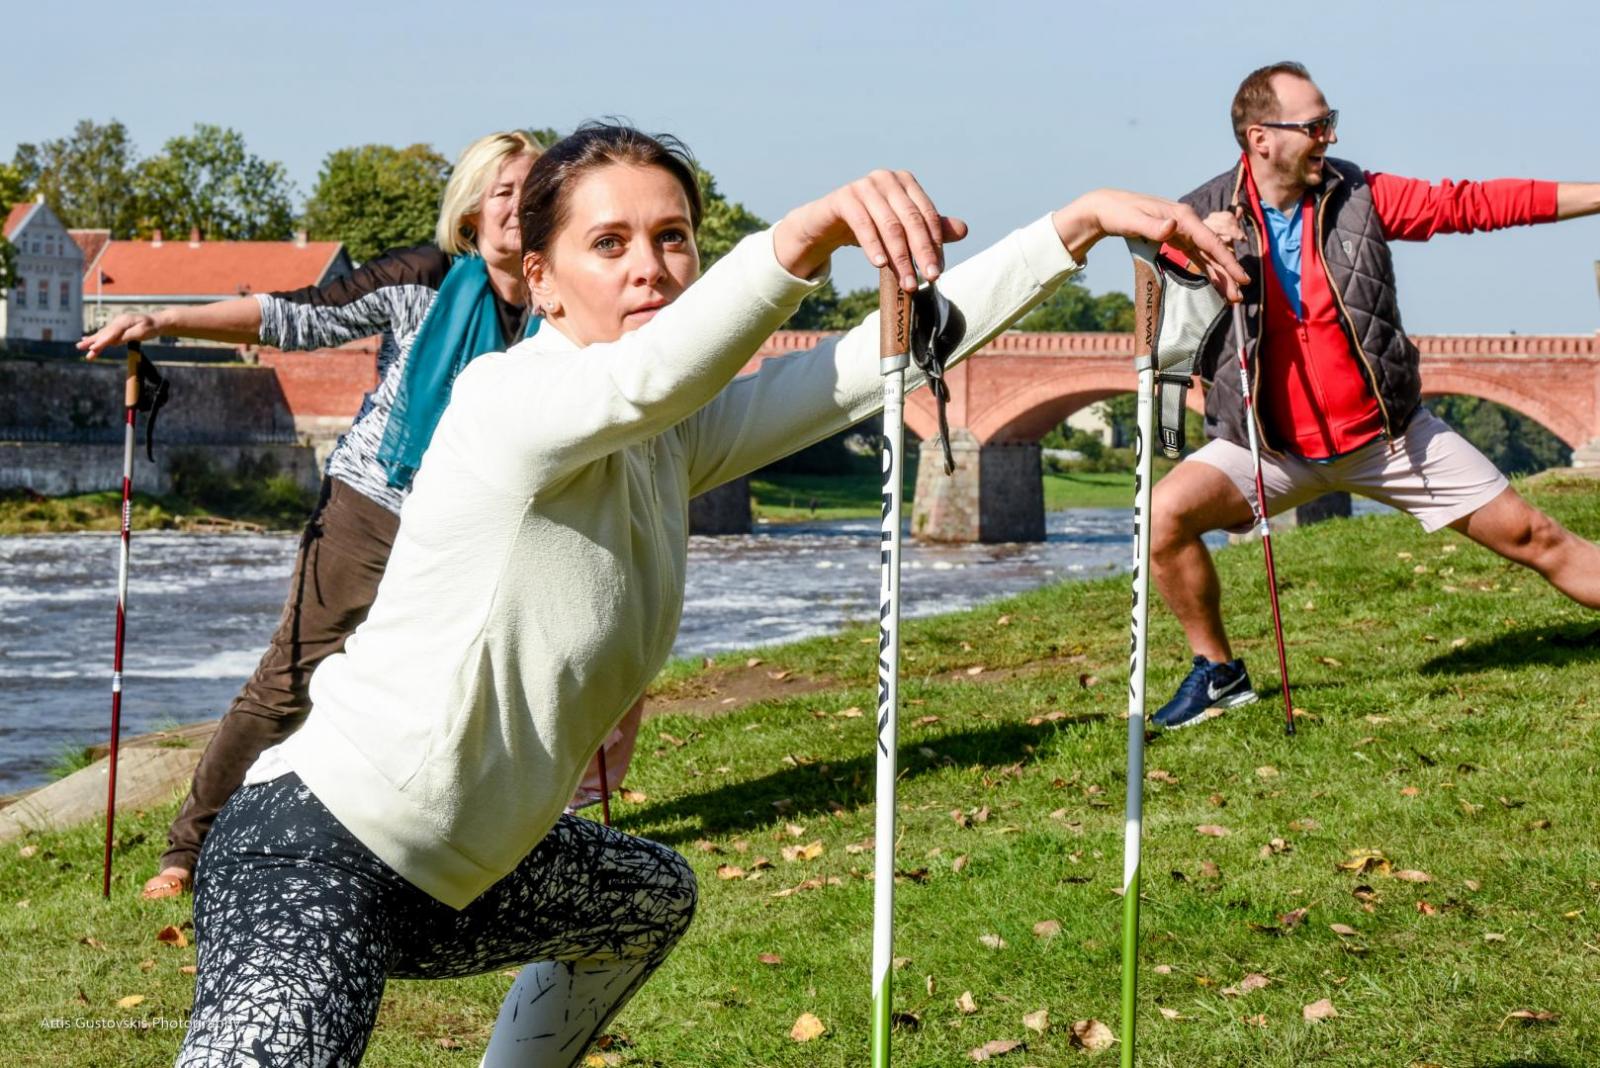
[(1524, 535), (1192, 500)]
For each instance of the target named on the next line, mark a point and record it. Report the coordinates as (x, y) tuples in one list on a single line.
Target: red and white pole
[(131, 408)]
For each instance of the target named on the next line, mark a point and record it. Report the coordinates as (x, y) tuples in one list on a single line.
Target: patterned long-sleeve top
[(390, 295)]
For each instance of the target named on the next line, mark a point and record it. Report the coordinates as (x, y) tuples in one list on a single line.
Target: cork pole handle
[(130, 385), (894, 315)]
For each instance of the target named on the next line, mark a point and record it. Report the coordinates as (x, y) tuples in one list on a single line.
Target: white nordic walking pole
[(1259, 507), (894, 333), (1147, 315)]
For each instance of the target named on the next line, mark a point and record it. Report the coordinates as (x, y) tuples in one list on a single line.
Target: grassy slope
[(1452, 710), (782, 497)]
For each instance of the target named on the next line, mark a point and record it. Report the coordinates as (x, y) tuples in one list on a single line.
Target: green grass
[(1451, 724), (276, 503), (786, 497)]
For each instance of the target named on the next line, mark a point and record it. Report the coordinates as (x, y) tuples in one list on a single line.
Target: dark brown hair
[(547, 192), (1256, 101)]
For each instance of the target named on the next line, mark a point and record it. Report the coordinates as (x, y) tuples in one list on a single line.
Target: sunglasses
[(1319, 129)]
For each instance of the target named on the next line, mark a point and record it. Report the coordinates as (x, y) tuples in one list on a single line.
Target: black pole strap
[(937, 328)]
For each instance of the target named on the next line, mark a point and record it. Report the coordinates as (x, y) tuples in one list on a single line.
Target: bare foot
[(170, 883)]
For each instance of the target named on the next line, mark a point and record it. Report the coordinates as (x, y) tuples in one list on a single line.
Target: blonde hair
[(475, 168)]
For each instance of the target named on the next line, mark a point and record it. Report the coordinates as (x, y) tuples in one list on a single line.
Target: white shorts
[(1430, 472)]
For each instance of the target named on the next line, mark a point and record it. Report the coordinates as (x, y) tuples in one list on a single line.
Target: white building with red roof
[(46, 301), (134, 276)]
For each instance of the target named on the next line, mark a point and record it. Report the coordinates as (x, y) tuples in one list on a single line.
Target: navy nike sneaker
[(1208, 686)]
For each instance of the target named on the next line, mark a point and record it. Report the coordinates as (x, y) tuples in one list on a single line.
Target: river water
[(201, 607)]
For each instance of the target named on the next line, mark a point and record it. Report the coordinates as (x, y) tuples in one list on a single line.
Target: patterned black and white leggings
[(299, 925)]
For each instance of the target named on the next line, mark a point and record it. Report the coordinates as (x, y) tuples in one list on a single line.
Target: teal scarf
[(460, 326)]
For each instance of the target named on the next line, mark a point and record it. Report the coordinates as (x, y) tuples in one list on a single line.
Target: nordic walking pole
[(1147, 313), (894, 334), (131, 408), (1259, 506)]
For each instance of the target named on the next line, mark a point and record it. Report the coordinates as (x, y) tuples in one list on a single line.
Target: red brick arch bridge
[(1013, 390)]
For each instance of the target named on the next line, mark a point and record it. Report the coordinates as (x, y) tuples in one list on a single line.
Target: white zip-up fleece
[(537, 577)]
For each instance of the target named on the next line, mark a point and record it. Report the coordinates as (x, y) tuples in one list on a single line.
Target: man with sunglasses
[(1336, 382)]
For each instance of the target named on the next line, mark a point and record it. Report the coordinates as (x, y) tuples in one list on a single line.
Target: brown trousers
[(343, 552)]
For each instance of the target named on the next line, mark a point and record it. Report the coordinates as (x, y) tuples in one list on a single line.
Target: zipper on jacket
[(1349, 323)]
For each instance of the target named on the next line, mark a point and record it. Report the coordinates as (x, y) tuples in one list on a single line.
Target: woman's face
[(495, 222), (625, 252)]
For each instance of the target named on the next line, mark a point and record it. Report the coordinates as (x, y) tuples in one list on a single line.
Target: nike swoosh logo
[(1212, 693)]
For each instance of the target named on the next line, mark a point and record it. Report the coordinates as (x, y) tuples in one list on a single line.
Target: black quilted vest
[(1356, 256)]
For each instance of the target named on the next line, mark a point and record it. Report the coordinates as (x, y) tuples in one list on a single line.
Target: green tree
[(86, 178), (12, 191), (1073, 309), (724, 222), (209, 181), (377, 197), (1515, 443)]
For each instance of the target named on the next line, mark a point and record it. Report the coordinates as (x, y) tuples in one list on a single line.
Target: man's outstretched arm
[(1576, 199)]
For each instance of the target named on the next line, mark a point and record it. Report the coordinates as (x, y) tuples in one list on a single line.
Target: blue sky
[(1004, 110)]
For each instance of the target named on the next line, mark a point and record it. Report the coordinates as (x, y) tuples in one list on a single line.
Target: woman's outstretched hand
[(1115, 213), (886, 213), (119, 331)]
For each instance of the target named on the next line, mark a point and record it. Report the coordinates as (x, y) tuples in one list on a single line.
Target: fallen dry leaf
[(993, 941), (1212, 830), (1171, 1014), (1409, 791), (1038, 1022), (1492, 936), (1365, 860), (959, 863), (27, 851), (1258, 1020), (189, 969), (807, 1027), (130, 1001), (965, 1005), (1472, 884), (729, 871), (1266, 771), (1529, 1017), (975, 669), (632, 797), (1343, 930), (94, 943), (998, 1047), (1319, 1010), (770, 958), (1162, 969), (1047, 928), (796, 853), (1092, 1035), (1427, 909), (1293, 918), (146, 965), (1161, 775), (1409, 875), (172, 936)]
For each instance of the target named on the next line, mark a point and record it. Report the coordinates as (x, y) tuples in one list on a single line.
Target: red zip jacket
[(1314, 397)]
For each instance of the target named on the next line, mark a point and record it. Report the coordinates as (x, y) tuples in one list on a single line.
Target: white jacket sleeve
[(796, 400), (533, 415)]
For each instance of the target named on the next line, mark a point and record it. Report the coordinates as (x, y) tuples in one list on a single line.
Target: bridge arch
[(1029, 413), (1541, 406)]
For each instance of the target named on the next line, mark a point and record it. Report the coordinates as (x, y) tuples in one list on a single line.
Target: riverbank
[(781, 497), (1422, 855), (220, 504)]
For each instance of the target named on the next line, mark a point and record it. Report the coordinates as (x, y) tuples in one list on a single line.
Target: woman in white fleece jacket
[(414, 827)]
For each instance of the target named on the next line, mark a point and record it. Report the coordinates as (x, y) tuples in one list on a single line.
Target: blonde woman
[(437, 306)]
